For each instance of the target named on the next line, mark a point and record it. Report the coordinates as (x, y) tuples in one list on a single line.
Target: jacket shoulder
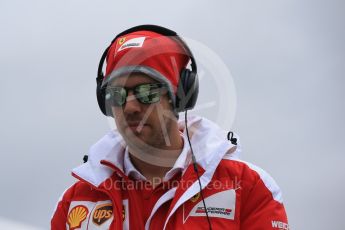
[(249, 175), (261, 202), (81, 190)]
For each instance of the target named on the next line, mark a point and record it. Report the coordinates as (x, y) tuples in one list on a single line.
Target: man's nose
[(132, 104)]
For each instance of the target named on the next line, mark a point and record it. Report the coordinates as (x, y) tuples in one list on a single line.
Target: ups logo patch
[(102, 213)]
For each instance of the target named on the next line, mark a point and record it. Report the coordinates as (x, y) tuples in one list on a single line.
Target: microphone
[(85, 158), (231, 138)]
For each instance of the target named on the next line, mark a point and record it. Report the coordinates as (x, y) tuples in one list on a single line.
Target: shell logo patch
[(195, 197), (122, 40), (76, 216), (102, 213)]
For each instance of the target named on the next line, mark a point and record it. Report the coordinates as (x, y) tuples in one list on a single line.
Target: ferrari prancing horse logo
[(122, 40)]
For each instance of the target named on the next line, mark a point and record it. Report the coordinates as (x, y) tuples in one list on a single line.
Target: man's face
[(143, 125)]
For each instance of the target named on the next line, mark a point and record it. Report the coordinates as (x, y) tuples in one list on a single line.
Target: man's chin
[(138, 137), (136, 130)]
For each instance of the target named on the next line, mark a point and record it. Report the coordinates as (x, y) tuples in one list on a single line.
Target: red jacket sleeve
[(59, 218), (262, 209)]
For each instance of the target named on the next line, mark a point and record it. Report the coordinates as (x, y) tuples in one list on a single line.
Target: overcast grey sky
[(287, 62)]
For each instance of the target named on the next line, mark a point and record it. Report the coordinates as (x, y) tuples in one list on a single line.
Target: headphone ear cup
[(100, 98), (192, 89), (100, 92), (187, 91)]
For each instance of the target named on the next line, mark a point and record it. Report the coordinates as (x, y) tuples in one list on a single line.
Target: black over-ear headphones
[(188, 85)]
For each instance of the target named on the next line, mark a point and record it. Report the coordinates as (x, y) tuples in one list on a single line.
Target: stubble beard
[(152, 141)]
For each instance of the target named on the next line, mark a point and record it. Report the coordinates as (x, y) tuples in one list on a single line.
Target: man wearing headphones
[(156, 171)]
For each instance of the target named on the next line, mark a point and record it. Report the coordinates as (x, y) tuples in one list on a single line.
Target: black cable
[(197, 172)]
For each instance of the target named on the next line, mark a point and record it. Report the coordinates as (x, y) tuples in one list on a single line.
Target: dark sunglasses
[(145, 93)]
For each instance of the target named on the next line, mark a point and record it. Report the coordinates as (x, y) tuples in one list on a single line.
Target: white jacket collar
[(208, 140)]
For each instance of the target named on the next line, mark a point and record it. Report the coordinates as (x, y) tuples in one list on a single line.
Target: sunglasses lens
[(148, 93), (145, 93), (115, 96)]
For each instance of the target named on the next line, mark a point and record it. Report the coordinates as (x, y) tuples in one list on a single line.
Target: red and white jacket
[(238, 195)]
